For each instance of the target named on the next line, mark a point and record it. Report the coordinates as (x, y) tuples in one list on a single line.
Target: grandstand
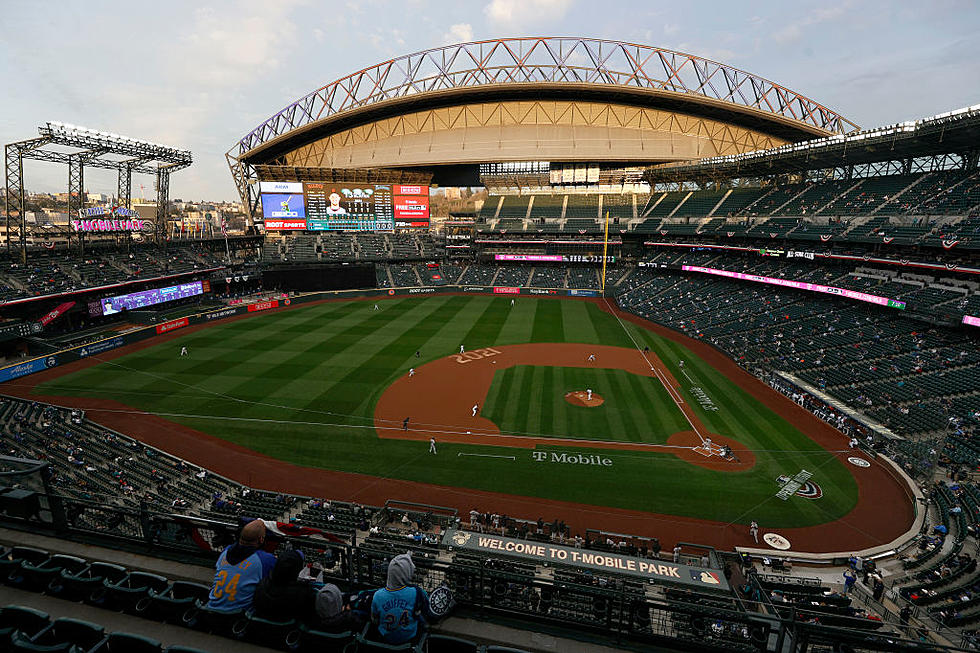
[(779, 272)]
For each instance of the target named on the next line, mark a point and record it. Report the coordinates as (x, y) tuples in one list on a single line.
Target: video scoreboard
[(323, 206)]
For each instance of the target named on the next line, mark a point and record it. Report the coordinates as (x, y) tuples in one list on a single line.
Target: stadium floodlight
[(93, 139)]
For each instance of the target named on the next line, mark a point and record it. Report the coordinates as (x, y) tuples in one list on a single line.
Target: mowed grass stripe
[(548, 322), (367, 370)]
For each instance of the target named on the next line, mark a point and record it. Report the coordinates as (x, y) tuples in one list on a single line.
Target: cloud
[(226, 48), (794, 30), (671, 28), (521, 13), (459, 33)]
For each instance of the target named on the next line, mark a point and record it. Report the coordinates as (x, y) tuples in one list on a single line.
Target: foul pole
[(605, 246)]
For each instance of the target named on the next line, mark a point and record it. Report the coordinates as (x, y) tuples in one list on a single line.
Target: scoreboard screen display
[(145, 298), (331, 206)]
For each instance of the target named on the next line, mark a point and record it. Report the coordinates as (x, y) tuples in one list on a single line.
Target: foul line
[(675, 395), (485, 455), (558, 439)]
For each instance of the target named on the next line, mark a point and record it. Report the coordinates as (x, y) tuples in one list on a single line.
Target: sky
[(199, 75)]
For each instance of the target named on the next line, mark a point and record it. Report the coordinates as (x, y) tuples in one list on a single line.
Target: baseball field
[(322, 392)]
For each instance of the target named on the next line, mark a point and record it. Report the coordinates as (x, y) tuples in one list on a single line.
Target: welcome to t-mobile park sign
[(594, 561)]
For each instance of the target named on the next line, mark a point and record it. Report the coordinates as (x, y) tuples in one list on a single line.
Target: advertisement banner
[(30, 367), (801, 285), (583, 292), (596, 561), (101, 346), (285, 225), (217, 315), (263, 306), (506, 290), (55, 313), (411, 190), (474, 289), (172, 325), (556, 258), (971, 320)]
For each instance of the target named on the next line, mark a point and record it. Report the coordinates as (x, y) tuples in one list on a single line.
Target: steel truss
[(536, 61), (91, 149)]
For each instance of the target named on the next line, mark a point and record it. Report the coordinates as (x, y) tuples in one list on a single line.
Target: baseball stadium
[(628, 348)]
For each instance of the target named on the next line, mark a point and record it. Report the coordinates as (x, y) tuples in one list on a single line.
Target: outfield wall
[(78, 352)]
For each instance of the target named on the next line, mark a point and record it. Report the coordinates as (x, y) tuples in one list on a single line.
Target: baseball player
[(183, 351), (376, 307), (512, 302), (405, 424), (461, 350), (432, 445), (591, 358), (411, 371), (476, 409), (588, 394), (418, 353), (754, 531), (680, 363)]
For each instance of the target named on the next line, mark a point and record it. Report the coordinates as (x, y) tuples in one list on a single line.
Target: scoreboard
[(329, 206)]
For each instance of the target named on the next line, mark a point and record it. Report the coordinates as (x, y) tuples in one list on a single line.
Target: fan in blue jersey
[(239, 569), (399, 610)]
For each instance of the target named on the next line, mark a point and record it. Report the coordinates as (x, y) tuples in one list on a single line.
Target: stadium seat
[(365, 644), (80, 585), (126, 594), (272, 633), (318, 641), (12, 560), (62, 635), (39, 576), (448, 644), (129, 643), (173, 602), (228, 624), (14, 618)]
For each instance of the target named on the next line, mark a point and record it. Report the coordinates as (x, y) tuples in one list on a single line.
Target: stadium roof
[(537, 66), (951, 132)]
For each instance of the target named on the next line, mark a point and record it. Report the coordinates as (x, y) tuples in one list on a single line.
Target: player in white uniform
[(183, 351), (476, 409), (591, 358), (588, 394), (432, 445), (461, 350), (411, 371)]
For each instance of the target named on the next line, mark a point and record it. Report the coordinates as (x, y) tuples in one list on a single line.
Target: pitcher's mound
[(581, 398)]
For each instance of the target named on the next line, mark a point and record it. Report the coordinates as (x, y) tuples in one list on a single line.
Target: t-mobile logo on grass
[(572, 459)]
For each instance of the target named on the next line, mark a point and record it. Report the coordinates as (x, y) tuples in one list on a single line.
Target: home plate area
[(584, 398), (708, 448)]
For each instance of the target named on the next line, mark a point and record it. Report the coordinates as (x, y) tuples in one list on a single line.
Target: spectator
[(333, 612), (239, 570), (282, 596), (399, 609)]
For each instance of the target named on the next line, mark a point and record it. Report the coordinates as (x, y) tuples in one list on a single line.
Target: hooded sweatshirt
[(282, 596), (330, 612), (398, 607)]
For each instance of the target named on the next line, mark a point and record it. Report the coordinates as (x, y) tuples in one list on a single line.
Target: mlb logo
[(706, 577)]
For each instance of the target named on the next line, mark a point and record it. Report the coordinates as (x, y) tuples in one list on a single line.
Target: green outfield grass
[(301, 386)]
